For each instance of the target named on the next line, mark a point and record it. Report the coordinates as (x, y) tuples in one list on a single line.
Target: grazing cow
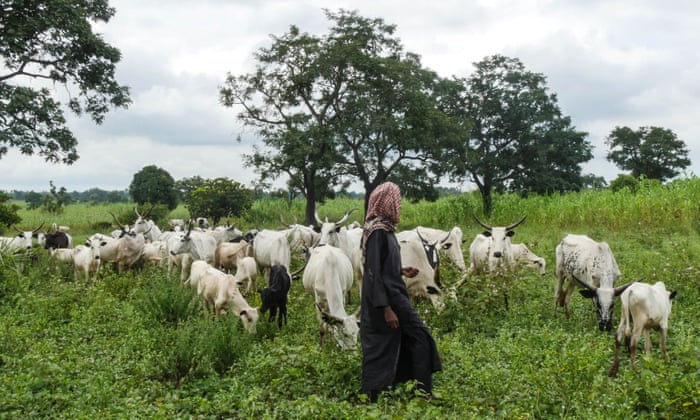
[(300, 236), (274, 296), (220, 292), (450, 242), (155, 252), (649, 306), (270, 247), (86, 260), (246, 274), (328, 275), (227, 254), (592, 266), (418, 252), (226, 233), (526, 258)]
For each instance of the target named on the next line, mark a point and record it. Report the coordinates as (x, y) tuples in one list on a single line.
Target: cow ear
[(432, 290), (510, 233), (486, 233), (587, 293), (672, 295), (330, 319)]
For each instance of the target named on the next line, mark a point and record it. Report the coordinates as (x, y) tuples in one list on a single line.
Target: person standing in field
[(396, 344)]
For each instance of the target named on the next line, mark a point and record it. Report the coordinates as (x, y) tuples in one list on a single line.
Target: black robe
[(391, 356)]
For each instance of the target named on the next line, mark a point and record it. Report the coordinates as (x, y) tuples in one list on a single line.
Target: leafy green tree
[(593, 181), (33, 200), (519, 140), (218, 198), (625, 181), (347, 105), (8, 211), (153, 185), (55, 201), (654, 152), (53, 42), (185, 186)]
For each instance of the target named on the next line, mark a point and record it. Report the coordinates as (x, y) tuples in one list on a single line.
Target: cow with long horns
[(591, 265)]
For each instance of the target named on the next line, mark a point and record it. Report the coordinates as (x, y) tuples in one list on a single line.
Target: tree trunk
[(486, 199)]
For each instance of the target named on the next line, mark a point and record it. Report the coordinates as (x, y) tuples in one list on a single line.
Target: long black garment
[(391, 356)]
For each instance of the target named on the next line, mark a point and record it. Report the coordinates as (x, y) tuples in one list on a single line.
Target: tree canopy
[(346, 106), (53, 41), (519, 138), (218, 198), (153, 185), (654, 152)]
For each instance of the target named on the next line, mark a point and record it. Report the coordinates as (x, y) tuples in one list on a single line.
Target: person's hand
[(390, 317), (409, 272)]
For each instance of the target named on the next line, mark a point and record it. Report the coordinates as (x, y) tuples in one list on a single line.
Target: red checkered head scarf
[(383, 210)]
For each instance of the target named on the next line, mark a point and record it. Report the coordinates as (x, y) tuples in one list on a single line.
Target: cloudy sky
[(611, 63)]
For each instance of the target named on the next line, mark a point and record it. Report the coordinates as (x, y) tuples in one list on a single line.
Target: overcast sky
[(611, 63)]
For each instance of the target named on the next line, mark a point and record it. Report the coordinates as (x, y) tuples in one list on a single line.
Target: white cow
[(220, 292), (155, 252), (333, 233), (328, 275), (649, 307), (86, 260), (450, 242), (592, 266), (526, 258), (227, 254), (246, 273), (129, 247), (270, 247), (151, 231), (198, 245), (492, 249), (422, 254), (22, 241)]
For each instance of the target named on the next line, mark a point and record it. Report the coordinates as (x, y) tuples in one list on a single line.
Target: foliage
[(33, 200), (153, 185), (653, 152), (348, 104), (53, 41), (218, 198), (185, 186), (624, 181), (112, 350), (519, 140), (8, 211), (54, 202)]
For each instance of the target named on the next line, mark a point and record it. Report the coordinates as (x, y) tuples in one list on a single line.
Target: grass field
[(141, 345)]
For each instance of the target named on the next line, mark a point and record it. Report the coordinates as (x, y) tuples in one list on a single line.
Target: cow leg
[(662, 342), (616, 361), (647, 341), (633, 345)]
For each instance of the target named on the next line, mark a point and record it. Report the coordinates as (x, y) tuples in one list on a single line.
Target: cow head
[(344, 330), (26, 236), (142, 225), (603, 300), (500, 254), (329, 230)]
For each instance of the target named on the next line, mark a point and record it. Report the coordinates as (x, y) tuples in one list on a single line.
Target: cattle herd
[(222, 264)]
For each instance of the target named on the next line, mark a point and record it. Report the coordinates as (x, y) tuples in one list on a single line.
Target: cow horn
[(295, 275), (148, 213), (420, 236), (37, 229), (345, 217), (443, 240), (117, 220), (484, 225), (136, 210), (514, 225), (283, 222), (189, 228), (582, 284), (318, 219)]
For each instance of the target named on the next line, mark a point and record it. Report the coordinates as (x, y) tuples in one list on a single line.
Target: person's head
[(385, 203)]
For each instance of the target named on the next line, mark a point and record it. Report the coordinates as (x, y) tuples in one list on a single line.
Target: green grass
[(142, 346)]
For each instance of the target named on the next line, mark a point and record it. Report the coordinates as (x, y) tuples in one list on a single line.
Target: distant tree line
[(93, 196)]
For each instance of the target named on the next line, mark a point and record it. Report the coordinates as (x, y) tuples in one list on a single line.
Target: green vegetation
[(142, 346)]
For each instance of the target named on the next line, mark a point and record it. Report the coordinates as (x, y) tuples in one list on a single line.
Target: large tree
[(153, 185), (334, 108), (655, 152), (218, 198), (519, 139), (53, 41)]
